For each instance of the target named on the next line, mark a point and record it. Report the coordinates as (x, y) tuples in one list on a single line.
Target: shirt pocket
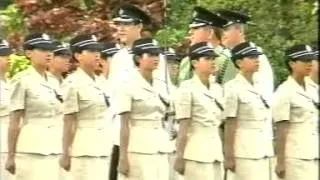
[(85, 99), (84, 96), (245, 103), (301, 110)]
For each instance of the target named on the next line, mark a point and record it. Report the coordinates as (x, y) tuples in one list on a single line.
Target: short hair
[(217, 32), (239, 26)]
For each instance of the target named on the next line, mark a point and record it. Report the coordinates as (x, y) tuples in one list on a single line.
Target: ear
[(77, 56), (28, 53), (136, 59), (194, 63), (140, 27), (238, 62), (211, 33), (291, 63)]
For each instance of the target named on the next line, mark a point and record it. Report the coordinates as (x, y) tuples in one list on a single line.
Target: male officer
[(204, 27), (233, 34), (129, 22)]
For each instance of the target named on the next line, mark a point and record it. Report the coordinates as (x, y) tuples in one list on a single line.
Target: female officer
[(34, 130), (107, 53), (86, 144), (247, 146), (5, 51), (296, 114), (199, 107), (60, 63), (142, 111)]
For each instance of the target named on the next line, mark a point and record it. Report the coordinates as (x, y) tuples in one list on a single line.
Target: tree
[(66, 18), (279, 24)]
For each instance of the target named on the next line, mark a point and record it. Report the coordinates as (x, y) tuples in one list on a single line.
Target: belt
[(156, 124), (251, 124)]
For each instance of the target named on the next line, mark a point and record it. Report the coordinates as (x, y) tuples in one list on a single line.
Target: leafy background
[(279, 23)]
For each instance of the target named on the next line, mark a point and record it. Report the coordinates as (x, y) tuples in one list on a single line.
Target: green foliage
[(177, 18), (18, 64), (12, 20), (279, 24)]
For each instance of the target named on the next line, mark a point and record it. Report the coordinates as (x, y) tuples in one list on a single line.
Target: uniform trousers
[(147, 167), (88, 168), (202, 170), (37, 167), (301, 169)]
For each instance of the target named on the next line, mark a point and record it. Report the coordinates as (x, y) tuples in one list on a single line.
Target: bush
[(18, 63), (279, 24)]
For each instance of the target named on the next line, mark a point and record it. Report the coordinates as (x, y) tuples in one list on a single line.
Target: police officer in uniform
[(142, 111), (204, 27), (248, 148), (129, 21), (34, 141), (199, 106), (107, 53), (60, 63), (5, 52), (296, 114), (233, 34), (171, 125), (86, 144)]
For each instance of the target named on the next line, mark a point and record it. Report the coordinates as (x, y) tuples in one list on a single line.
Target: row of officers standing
[(133, 122)]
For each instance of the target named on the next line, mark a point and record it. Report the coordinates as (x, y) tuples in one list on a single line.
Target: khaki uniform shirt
[(245, 103), (294, 104), (204, 107), (41, 130), (85, 97), (146, 115)]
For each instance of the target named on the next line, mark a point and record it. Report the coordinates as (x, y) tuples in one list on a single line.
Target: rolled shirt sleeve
[(281, 105), (183, 103), (231, 101), (17, 94), (70, 97)]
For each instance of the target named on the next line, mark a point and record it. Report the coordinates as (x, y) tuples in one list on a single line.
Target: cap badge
[(171, 50), (4, 42), (65, 45), (154, 42), (194, 14), (46, 37), (308, 48), (94, 38), (121, 12), (209, 45)]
